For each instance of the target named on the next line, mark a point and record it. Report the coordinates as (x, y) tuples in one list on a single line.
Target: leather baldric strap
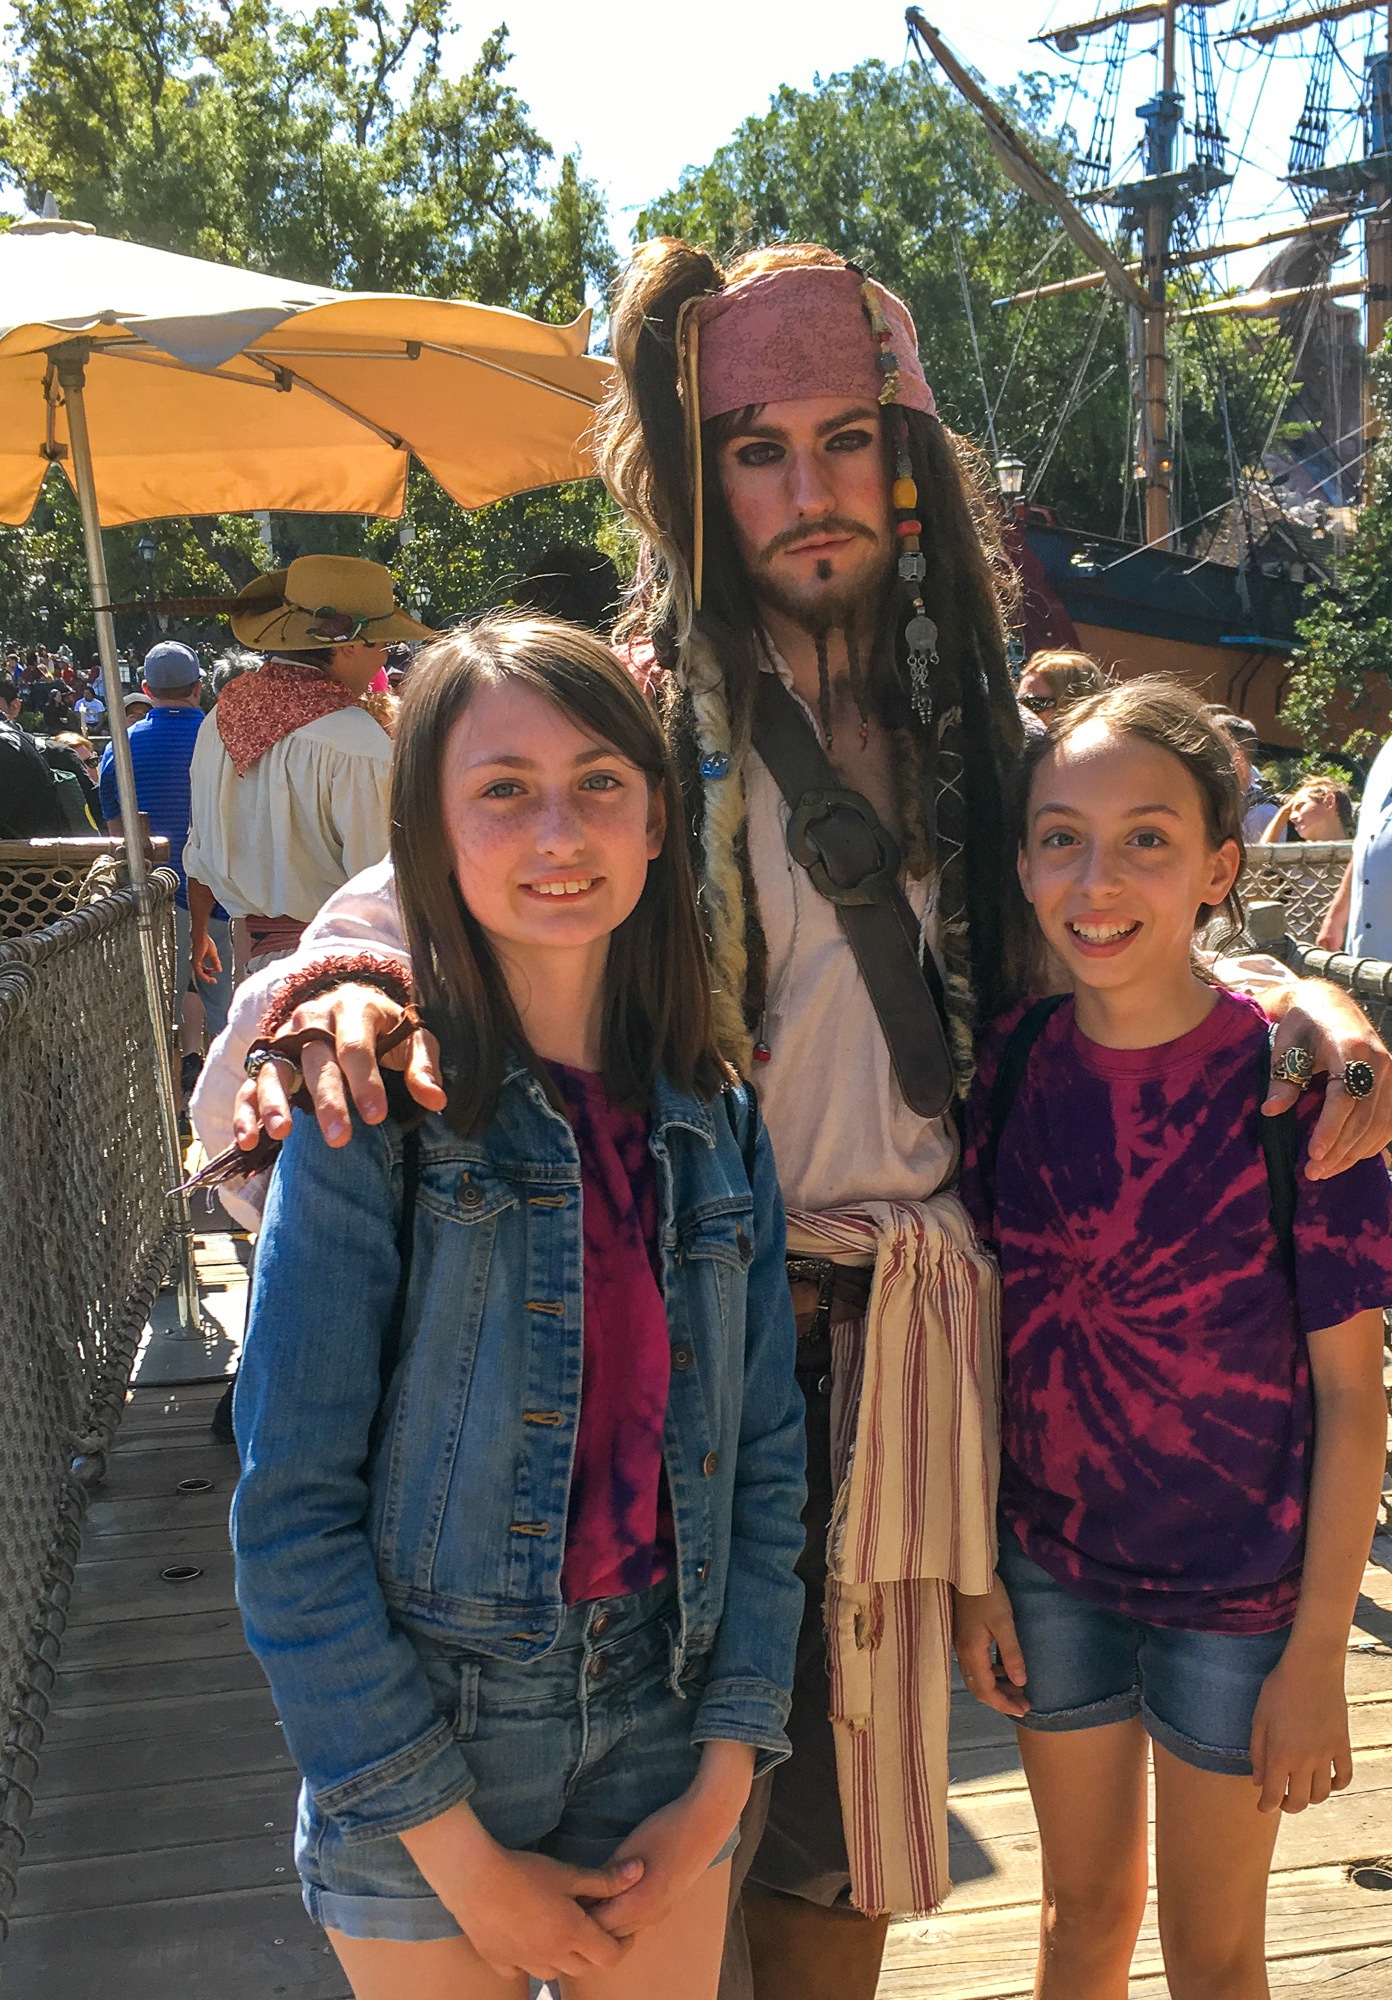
[(838, 837)]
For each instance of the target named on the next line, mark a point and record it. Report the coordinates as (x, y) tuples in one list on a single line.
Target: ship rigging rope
[(1074, 399)]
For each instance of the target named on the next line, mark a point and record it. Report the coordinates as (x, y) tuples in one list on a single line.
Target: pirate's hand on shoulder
[(1356, 1120), (350, 1023)]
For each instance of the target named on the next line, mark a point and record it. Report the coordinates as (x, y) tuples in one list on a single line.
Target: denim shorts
[(568, 1753), (1196, 1692)]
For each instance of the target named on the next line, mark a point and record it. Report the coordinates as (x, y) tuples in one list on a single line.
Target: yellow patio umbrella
[(165, 385)]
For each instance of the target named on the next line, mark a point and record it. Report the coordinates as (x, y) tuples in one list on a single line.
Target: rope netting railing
[(44, 879), (88, 1238), (1301, 874)]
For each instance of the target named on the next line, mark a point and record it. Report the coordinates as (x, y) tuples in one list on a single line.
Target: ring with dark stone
[(1297, 1066), (1359, 1080)]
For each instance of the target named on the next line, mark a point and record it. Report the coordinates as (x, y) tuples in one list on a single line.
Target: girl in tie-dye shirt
[(1194, 1425)]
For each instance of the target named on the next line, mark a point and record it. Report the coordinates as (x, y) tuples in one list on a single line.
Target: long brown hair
[(657, 1009), (1171, 717), (955, 775)]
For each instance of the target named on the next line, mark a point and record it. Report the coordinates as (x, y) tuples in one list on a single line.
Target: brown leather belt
[(826, 1293)]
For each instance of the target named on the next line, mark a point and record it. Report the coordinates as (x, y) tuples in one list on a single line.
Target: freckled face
[(1117, 858), (807, 487), (550, 828)]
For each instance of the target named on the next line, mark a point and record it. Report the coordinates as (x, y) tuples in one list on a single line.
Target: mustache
[(832, 524)]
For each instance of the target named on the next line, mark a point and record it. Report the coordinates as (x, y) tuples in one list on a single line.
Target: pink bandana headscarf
[(802, 331)]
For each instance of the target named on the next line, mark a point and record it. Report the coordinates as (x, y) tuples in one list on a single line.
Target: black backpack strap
[(1280, 1144), (405, 1244), (1011, 1072)]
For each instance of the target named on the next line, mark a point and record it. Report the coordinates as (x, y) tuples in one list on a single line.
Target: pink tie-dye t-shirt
[(1158, 1411), (619, 1535)]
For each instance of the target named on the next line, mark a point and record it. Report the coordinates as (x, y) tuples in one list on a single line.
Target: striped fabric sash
[(916, 1448)]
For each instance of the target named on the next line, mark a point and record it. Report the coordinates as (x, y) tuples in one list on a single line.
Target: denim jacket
[(438, 1500)]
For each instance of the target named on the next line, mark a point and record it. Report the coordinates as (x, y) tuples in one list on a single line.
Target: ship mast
[(1162, 118)]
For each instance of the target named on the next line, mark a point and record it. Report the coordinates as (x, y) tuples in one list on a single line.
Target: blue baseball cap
[(170, 665)]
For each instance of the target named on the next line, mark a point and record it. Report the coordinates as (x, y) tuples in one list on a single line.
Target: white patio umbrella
[(165, 385)]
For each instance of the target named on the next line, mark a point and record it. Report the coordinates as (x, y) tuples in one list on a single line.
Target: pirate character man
[(818, 611)]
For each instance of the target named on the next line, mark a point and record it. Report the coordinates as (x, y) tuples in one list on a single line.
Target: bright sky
[(642, 88)]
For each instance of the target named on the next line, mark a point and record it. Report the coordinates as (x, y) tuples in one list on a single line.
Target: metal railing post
[(70, 361)]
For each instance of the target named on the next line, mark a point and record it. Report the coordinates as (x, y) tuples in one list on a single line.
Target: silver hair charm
[(921, 637)]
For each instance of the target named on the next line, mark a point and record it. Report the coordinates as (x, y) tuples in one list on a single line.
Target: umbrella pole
[(71, 363)]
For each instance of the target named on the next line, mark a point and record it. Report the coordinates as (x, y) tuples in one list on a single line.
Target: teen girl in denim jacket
[(521, 1438)]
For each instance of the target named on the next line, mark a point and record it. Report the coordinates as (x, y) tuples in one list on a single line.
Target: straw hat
[(321, 602)]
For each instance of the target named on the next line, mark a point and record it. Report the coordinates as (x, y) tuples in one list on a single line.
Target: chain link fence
[(88, 1239)]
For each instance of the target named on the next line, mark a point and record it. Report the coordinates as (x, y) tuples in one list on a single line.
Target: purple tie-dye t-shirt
[(1158, 1412), (619, 1535)]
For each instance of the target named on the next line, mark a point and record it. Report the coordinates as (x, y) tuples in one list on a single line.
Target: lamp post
[(147, 552), (1010, 478)]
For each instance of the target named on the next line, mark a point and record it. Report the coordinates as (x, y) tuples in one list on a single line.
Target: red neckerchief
[(258, 708)]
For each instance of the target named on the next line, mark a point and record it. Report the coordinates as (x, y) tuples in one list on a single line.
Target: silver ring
[(1296, 1066), (1358, 1079)]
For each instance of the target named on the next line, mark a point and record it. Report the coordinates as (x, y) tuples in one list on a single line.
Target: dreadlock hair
[(953, 774)]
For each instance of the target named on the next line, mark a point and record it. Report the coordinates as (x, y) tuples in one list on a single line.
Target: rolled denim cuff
[(404, 1790), (745, 1711)]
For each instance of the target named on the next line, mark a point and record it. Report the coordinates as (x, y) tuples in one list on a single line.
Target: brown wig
[(1172, 718), (955, 773), (657, 1010)]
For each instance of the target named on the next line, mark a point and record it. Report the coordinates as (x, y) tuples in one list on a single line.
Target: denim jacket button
[(596, 1667), (682, 1356), (470, 1196), (710, 1464)]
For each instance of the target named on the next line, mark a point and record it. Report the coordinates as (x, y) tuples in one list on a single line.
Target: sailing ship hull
[(1229, 634)]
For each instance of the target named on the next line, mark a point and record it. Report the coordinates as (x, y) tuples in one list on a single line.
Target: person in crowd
[(524, 1589), (162, 747), (136, 706), (81, 759), (90, 710), (289, 778), (1052, 682), (1319, 809), (1359, 919), (30, 808), (823, 592), (58, 712), (569, 580), (1194, 1426), (1259, 804), (230, 666)]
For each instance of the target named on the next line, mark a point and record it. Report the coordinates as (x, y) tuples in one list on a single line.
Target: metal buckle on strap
[(821, 1272), (841, 831)]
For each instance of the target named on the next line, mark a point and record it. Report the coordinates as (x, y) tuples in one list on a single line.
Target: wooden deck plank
[(208, 1809), (106, 1688), (157, 1875), (89, 1769), (243, 1944), (161, 1718), (122, 1588), (150, 1641)]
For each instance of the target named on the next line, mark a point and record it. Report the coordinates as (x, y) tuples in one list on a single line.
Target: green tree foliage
[(1343, 674), (329, 147), (893, 170)]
